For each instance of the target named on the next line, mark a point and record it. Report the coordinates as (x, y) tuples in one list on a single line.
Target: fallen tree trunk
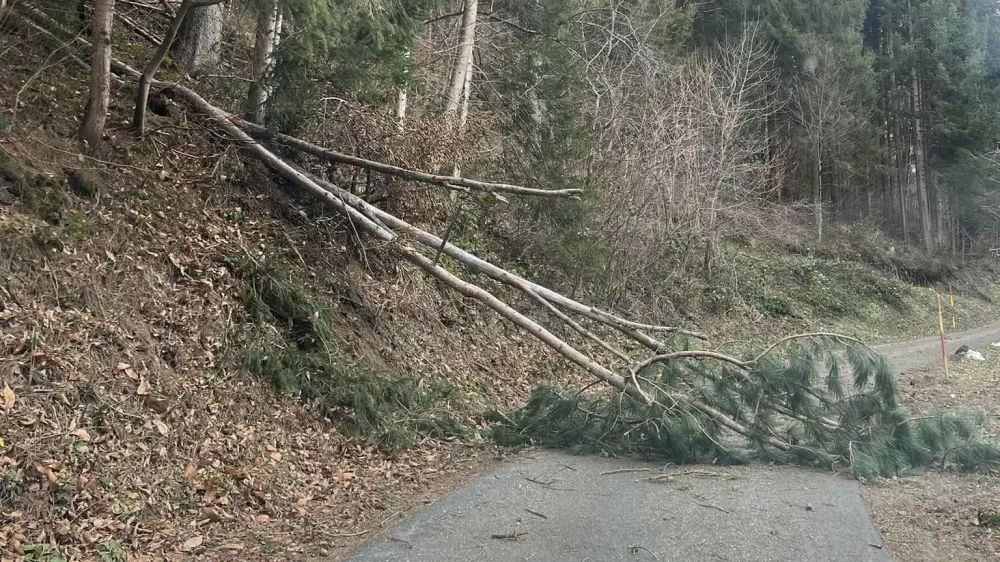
[(484, 267), (452, 182), (225, 122)]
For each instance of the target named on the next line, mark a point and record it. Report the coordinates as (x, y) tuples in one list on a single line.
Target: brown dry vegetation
[(944, 515)]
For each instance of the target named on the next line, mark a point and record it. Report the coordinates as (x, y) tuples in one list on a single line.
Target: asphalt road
[(570, 508), (562, 507)]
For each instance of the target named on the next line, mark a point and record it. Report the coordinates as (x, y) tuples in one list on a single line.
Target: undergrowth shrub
[(288, 337)]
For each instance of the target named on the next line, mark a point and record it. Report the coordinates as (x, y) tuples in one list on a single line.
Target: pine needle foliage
[(288, 337), (822, 400)]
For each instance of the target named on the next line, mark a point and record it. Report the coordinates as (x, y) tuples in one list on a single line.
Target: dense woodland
[(671, 116)]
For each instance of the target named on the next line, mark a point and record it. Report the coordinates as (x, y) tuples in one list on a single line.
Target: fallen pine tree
[(822, 398)]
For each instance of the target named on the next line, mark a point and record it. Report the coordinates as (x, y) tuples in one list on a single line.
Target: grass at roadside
[(944, 514)]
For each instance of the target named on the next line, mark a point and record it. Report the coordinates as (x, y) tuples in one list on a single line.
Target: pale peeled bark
[(96, 112), (265, 40), (463, 62), (402, 97), (401, 102)]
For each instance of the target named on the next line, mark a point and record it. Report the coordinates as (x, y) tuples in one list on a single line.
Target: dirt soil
[(943, 514)]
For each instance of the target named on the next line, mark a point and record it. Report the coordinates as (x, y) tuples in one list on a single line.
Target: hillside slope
[(147, 292)]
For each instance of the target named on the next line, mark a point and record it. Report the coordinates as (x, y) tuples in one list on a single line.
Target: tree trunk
[(402, 92), (900, 158), (920, 162), (885, 181), (941, 212), (402, 96), (263, 60), (463, 63), (463, 117), (139, 114), (818, 194), (100, 75), (940, 209), (199, 41), (888, 215)]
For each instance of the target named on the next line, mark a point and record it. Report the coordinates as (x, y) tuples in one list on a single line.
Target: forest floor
[(945, 514)]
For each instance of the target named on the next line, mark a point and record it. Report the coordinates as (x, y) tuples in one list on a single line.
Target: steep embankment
[(146, 289), (153, 294)]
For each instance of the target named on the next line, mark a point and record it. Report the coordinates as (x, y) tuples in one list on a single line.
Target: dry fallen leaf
[(162, 428), (261, 518), (50, 477), (211, 514), (143, 389), (192, 543), (158, 405), (122, 366), (190, 471), (82, 435), (8, 397)]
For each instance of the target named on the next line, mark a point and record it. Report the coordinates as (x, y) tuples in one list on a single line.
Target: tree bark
[(818, 193), (95, 114), (463, 117), (263, 60), (900, 156), (402, 96), (463, 62), (139, 114), (919, 154), (920, 162), (888, 212), (199, 40), (401, 102)]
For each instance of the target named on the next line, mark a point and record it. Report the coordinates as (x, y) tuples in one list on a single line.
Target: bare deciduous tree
[(682, 150), (820, 108), (463, 62)]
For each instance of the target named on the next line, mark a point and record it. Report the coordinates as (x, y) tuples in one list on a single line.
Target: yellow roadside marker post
[(944, 353)]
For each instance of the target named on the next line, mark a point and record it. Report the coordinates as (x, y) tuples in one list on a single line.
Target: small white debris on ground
[(965, 353)]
